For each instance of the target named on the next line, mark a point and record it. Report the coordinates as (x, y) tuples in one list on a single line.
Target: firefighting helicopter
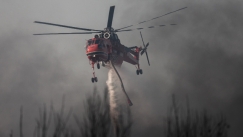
[(105, 46)]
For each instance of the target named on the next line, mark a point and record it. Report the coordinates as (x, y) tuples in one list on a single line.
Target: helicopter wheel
[(92, 80), (141, 71), (98, 65), (137, 72), (96, 79)]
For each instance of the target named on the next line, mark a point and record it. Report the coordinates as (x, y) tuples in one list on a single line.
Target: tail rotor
[(145, 48)]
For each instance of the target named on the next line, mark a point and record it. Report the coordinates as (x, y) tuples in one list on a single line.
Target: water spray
[(122, 86)]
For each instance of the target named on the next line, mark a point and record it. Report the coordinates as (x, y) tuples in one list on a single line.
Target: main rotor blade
[(66, 33), (46, 23), (144, 28), (110, 17), (152, 18)]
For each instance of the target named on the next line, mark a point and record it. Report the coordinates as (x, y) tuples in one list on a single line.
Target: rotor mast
[(108, 31)]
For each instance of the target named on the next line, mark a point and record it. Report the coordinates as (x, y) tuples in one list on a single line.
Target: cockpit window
[(97, 41), (90, 42)]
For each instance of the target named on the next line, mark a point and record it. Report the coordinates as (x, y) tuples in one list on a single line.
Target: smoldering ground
[(200, 57)]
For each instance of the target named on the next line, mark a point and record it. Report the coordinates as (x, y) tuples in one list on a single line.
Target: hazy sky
[(200, 57)]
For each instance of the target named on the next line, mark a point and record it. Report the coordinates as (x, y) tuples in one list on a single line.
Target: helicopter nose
[(93, 47)]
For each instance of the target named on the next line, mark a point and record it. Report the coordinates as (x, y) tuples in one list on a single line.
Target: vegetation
[(194, 124), (97, 121)]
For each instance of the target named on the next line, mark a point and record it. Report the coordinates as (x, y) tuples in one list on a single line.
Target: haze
[(200, 57)]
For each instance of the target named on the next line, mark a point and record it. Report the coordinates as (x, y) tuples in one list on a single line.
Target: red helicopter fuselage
[(98, 49), (104, 50)]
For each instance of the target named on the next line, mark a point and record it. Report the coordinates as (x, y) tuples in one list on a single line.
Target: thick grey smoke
[(200, 57)]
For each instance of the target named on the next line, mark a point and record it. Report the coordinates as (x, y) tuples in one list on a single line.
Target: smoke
[(200, 57)]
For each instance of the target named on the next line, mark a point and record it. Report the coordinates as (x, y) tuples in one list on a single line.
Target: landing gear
[(98, 65), (103, 64), (139, 71), (95, 79)]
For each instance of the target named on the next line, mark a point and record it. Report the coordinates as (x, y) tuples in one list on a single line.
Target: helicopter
[(106, 49), (105, 46)]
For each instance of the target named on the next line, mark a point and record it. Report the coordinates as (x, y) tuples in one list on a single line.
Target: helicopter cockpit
[(94, 41)]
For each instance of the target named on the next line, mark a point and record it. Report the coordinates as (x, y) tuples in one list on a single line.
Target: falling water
[(112, 87)]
